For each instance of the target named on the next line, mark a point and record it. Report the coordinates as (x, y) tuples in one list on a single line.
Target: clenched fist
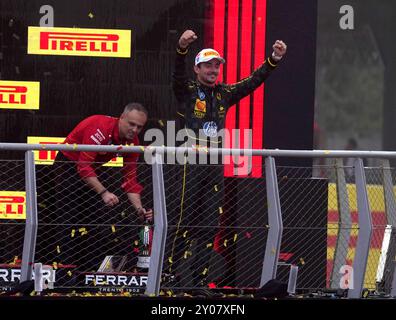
[(187, 38), (279, 50)]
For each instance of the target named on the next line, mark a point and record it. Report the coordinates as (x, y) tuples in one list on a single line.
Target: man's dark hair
[(135, 106)]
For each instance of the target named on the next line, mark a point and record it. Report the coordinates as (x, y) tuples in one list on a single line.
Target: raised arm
[(248, 85), (179, 76)]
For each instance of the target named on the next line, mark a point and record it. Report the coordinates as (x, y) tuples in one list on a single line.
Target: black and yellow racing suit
[(201, 109)]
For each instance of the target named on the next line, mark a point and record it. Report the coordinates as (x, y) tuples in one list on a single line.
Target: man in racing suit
[(202, 106)]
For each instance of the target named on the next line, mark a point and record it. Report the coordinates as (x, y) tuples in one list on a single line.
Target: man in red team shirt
[(83, 200), (105, 130)]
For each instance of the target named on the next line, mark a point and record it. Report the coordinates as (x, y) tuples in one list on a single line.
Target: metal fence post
[(389, 286), (272, 249), (365, 231), (160, 229), (344, 226), (29, 242)]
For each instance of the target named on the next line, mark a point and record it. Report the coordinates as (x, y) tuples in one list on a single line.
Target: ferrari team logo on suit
[(200, 108)]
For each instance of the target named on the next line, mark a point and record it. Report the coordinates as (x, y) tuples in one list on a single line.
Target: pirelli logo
[(12, 205), (47, 157), (79, 42), (19, 95)]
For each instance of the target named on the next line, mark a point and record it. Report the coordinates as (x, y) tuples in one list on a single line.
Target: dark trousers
[(195, 196)]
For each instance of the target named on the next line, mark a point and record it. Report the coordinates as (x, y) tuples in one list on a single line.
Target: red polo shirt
[(102, 130)]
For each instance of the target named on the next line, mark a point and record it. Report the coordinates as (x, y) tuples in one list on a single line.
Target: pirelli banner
[(47, 157), (24, 95), (79, 42), (12, 205)]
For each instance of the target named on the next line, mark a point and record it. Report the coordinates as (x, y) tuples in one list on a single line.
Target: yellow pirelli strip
[(23, 95), (12, 205), (79, 42), (47, 157)]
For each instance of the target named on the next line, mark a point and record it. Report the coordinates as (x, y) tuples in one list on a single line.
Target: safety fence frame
[(270, 263)]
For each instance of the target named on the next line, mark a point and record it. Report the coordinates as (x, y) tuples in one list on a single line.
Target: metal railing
[(338, 229)]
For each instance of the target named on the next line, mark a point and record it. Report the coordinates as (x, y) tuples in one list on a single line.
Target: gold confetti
[(58, 249), (74, 146), (225, 243), (209, 245), (69, 273), (55, 265), (220, 210), (142, 148), (136, 242), (81, 229), (73, 233), (327, 151), (205, 271), (90, 15), (185, 234), (169, 293), (15, 260), (123, 214), (302, 261), (113, 229), (170, 260), (161, 122), (215, 187), (185, 256), (235, 237)]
